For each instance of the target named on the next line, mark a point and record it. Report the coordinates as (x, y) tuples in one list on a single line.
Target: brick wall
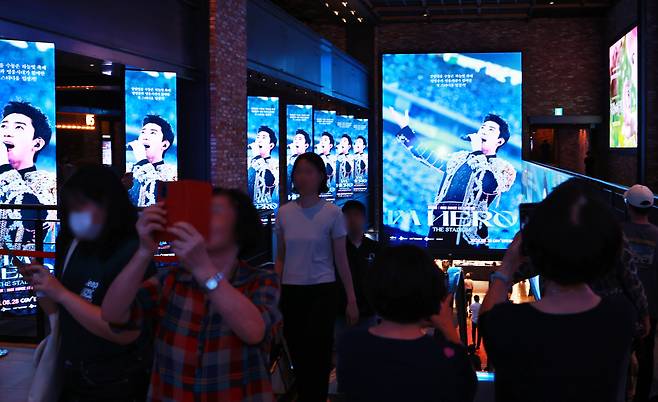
[(334, 33), (564, 60), (228, 93)]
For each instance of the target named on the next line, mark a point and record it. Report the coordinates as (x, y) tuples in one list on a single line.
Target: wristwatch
[(213, 282), (499, 275)]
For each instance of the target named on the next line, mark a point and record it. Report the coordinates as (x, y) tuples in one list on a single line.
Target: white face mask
[(83, 226)]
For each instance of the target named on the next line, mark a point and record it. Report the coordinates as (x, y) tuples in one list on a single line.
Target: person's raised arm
[(343, 267), (499, 286), (84, 312), (119, 298), (242, 315)]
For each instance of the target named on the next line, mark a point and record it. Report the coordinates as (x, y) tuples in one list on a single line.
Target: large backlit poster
[(623, 92), (263, 151), (151, 129), (27, 160), (344, 151), (452, 149), (299, 127), (360, 148), (324, 126)]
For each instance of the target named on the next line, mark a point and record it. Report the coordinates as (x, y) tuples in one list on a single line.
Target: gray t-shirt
[(643, 243), (308, 235)]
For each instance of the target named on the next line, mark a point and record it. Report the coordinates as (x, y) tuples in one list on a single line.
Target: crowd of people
[(126, 329)]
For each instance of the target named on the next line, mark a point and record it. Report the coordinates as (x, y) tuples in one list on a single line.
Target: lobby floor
[(16, 372)]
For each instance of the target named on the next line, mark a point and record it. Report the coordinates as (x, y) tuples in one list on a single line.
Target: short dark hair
[(572, 236), (165, 127), (349, 139), (639, 211), (248, 229), (354, 205), (307, 137), (405, 286), (316, 161), (502, 125), (331, 137), (271, 133), (362, 138), (476, 298), (40, 122)]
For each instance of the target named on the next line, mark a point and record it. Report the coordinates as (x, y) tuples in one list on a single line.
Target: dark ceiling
[(384, 11)]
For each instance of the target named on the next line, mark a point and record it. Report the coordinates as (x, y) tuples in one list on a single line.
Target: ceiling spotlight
[(353, 12), (92, 65), (359, 19), (344, 4), (344, 20), (336, 12), (552, 3), (326, 4)]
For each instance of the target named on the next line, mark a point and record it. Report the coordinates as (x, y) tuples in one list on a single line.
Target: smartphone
[(185, 201)]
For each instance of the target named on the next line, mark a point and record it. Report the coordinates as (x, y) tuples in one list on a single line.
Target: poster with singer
[(151, 128), (263, 151), (452, 149)]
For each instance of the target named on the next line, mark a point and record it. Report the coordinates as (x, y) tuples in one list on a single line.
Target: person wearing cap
[(642, 238)]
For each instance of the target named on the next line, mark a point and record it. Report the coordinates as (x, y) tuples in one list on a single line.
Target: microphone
[(466, 137)]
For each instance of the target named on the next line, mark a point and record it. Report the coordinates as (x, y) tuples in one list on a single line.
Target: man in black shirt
[(642, 238), (361, 252)]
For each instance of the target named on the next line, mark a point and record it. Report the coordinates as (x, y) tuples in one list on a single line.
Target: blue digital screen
[(325, 134), (299, 127), (27, 162), (452, 149), (151, 127), (263, 151)]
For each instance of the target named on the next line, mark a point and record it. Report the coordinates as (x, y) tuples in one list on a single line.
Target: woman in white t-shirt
[(311, 249)]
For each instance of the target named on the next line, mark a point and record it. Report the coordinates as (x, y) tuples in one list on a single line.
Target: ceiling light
[(344, 20), (552, 3), (91, 65), (353, 12), (344, 4), (359, 19), (336, 12), (326, 4)]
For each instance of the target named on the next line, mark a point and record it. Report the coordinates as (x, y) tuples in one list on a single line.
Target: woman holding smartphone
[(96, 240), (311, 248)]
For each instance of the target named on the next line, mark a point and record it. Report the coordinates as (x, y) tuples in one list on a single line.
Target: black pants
[(475, 334), (309, 312), (644, 353), (109, 381), (468, 294)]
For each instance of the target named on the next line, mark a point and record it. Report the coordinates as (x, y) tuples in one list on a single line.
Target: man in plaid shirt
[(213, 316)]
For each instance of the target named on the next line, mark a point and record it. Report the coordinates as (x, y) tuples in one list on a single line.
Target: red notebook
[(186, 201)]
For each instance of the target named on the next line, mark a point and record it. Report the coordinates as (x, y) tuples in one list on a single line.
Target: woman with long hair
[(96, 240)]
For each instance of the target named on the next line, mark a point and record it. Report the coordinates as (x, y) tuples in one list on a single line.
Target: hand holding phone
[(185, 201)]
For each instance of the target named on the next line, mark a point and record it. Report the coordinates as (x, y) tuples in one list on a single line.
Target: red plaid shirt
[(198, 358)]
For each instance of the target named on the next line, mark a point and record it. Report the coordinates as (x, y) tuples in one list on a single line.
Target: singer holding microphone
[(471, 179)]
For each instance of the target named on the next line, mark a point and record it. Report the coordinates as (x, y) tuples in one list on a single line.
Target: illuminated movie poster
[(623, 92), (324, 126), (150, 132), (452, 149), (360, 149), (300, 137), (27, 161), (263, 151), (344, 151)]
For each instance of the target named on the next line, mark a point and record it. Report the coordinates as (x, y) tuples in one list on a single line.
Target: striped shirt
[(198, 358)]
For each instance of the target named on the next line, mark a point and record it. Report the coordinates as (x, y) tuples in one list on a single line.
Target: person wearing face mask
[(214, 313), (149, 150), (96, 240)]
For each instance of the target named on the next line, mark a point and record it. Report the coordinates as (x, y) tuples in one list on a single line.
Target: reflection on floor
[(16, 372)]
